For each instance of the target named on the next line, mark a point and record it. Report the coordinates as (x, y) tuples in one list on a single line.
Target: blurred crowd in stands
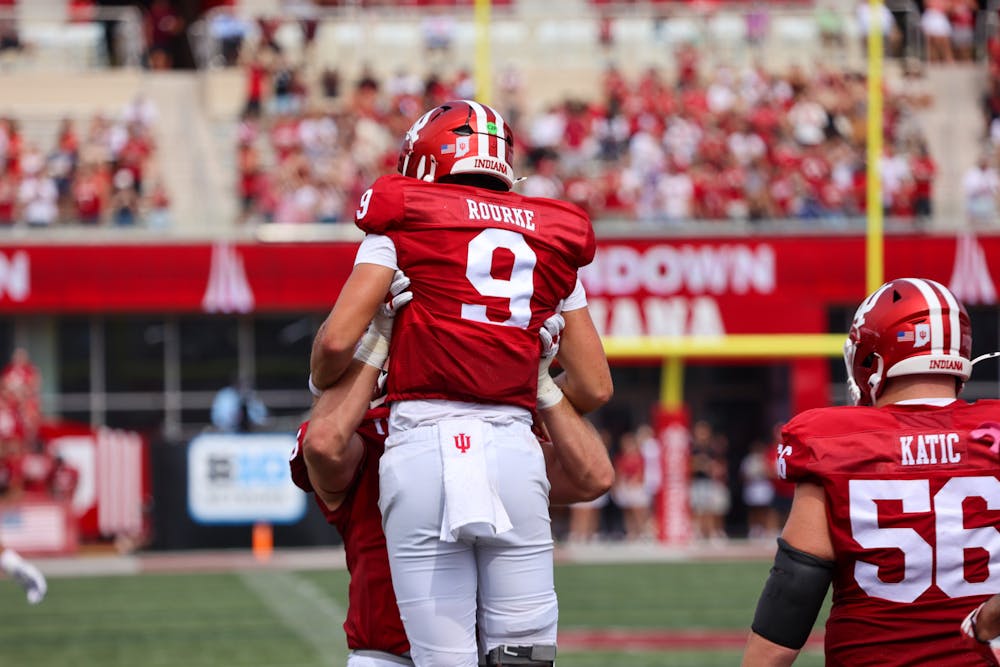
[(100, 171), (949, 28), (726, 144), (27, 470), (981, 182), (731, 494), (738, 143)]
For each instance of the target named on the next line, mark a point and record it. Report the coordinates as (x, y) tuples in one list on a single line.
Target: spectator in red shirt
[(163, 28), (9, 185), (257, 75), (24, 381), (962, 14), (134, 155), (14, 145), (629, 490), (923, 168), (89, 194)]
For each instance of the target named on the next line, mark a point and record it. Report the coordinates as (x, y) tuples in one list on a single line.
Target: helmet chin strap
[(984, 357), (875, 380)]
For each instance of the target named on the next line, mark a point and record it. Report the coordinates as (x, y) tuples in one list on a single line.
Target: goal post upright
[(483, 72), (874, 233)]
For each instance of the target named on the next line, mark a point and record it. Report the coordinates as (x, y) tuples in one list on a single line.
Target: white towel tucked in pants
[(472, 506)]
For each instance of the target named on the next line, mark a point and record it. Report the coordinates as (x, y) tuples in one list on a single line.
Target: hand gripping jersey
[(913, 503), (372, 615), (486, 269)]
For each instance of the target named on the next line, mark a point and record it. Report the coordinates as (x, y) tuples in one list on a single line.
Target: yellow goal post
[(673, 351)]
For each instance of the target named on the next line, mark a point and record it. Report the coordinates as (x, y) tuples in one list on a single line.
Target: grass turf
[(274, 619)]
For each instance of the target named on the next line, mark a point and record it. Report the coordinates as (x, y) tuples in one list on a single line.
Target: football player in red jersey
[(895, 500), (463, 492), (344, 441), (336, 458)]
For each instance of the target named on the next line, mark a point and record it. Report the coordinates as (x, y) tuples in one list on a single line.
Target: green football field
[(610, 615)]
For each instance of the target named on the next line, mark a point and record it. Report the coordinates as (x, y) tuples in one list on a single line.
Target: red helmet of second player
[(909, 326), (459, 137)]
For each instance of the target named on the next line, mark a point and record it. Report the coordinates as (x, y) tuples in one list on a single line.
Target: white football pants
[(438, 584), (372, 659)]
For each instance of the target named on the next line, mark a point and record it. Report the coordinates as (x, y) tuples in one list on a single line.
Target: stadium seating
[(557, 54)]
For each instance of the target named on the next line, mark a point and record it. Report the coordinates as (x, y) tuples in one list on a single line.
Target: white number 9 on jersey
[(518, 290)]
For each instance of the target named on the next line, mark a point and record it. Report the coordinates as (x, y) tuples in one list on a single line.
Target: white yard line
[(305, 610)]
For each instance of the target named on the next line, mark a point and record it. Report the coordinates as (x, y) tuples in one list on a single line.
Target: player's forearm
[(584, 470), (333, 349), (587, 380), (583, 395), (760, 652), (335, 342), (330, 452), (330, 357)]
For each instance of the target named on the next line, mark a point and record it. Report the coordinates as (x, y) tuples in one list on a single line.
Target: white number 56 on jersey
[(952, 538)]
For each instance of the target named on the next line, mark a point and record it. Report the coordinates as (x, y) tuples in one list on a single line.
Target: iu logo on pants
[(462, 442)]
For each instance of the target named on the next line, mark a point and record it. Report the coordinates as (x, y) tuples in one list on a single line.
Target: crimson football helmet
[(909, 326), (459, 137)]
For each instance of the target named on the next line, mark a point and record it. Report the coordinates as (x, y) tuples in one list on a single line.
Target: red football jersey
[(486, 269), (373, 621), (913, 505)]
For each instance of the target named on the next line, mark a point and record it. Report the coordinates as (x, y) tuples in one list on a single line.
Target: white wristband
[(313, 389), (373, 349), (549, 393)]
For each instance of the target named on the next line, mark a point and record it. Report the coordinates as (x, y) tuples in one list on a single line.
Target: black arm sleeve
[(792, 597)]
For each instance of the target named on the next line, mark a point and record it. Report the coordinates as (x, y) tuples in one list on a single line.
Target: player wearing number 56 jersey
[(463, 491), (897, 499)]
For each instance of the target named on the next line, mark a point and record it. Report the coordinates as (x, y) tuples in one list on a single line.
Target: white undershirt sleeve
[(577, 298), (377, 249)]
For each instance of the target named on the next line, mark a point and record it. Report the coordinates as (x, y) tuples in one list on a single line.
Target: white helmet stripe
[(501, 136), (482, 118), (953, 316), (481, 141), (934, 315)]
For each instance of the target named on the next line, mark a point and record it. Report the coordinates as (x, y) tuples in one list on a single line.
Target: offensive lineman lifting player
[(343, 442), (463, 492)]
